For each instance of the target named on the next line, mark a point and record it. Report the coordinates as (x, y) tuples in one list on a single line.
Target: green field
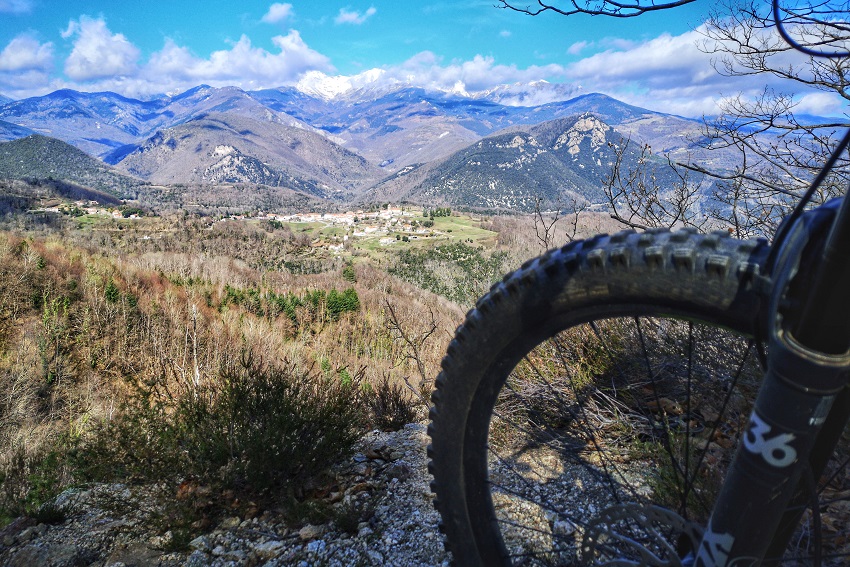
[(456, 228)]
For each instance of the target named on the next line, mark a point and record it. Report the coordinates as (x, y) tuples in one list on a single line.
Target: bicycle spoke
[(723, 406), (582, 421), (683, 508), (557, 392), (666, 441), (585, 423), (841, 467)]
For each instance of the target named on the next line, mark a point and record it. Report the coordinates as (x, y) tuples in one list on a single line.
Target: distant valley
[(282, 146)]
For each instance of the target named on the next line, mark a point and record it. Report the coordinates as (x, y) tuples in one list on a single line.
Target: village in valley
[(82, 208), (380, 224), (378, 227)]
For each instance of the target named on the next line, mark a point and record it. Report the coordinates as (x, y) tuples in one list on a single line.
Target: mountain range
[(404, 143)]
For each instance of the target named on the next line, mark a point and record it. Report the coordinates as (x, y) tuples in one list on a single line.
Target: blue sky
[(143, 48)]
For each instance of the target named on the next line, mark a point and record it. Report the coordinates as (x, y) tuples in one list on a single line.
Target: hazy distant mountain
[(408, 125), (403, 127), (4, 99), (100, 123), (394, 126), (204, 100), (40, 157), (414, 126), (390, 127), (219, 148), (295, 103), (559, 161), (9, 131), (93, 122)]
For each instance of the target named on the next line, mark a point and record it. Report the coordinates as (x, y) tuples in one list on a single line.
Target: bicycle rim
[(600, 434)]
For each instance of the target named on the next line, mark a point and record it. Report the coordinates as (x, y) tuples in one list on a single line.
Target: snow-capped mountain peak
[(374, 83), (327, 87), (534, 93)]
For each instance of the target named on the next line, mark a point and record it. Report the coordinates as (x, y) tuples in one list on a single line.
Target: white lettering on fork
[(776, 450)]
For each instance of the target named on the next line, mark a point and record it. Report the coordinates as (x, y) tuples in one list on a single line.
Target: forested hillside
[(116, 350), (40, 157), (125, 342)]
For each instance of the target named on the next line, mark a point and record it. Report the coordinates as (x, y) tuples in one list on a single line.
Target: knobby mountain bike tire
[(588, 407)]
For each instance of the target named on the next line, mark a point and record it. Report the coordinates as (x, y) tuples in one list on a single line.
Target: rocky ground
[(114, 525)]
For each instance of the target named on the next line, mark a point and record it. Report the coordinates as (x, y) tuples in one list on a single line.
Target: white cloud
[(479, 73), (821, 104), (15, 6), (101, 60), (172, 62), (278, 13), (97, 52), (25, 53), (243, 65), (353, 16), (23, 84), (505, 33), (662, 61), (577, 47), (619, 43), (25, 66), (669, 73)]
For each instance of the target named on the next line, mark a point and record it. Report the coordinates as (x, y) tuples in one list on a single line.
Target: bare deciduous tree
[(637, 199), (413, 341), (545, 221), (779, 151)]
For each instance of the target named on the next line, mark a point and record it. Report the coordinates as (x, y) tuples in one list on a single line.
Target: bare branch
[(541, 228), (610, 8), (744, 37), (414, 341), (639, 199), (545, 221), (776, 151), (737, 176)]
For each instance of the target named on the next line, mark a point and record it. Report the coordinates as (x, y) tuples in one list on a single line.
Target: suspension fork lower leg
[(824, 446), (794, 402)]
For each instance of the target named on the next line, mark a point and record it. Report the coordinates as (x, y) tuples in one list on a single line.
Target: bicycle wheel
[(589, 405)]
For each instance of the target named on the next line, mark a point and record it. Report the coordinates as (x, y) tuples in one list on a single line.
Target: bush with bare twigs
[(257, 427), (391, 405)]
